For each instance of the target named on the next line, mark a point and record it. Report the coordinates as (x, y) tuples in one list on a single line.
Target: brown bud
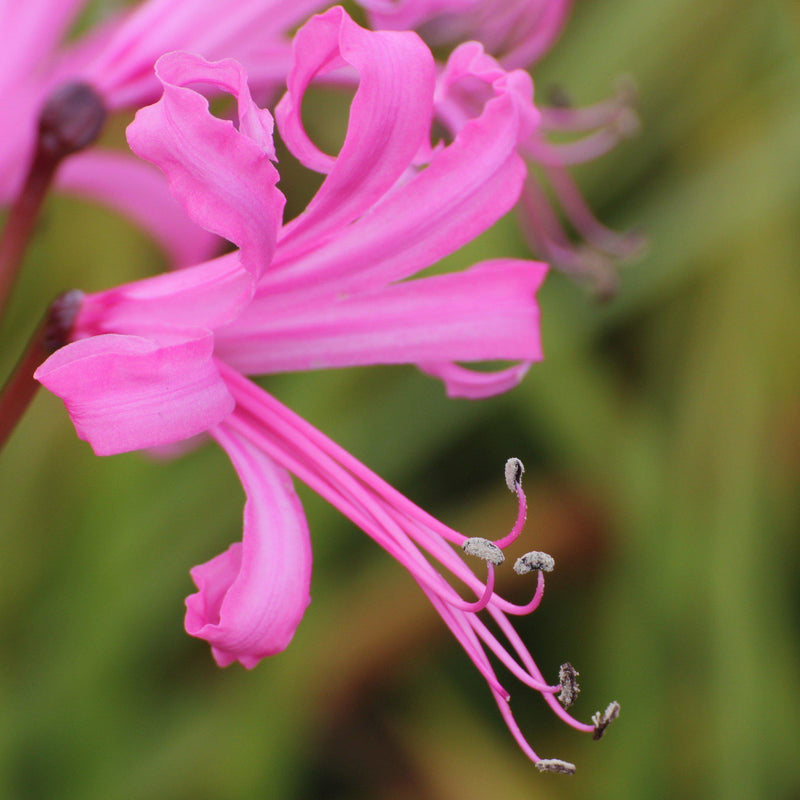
[(71, 119)]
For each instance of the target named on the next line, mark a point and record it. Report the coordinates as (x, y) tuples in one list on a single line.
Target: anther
[(602, 721), (70, 120), (483, 548), (568, 678), (514, 471), (534, 561), (555, 765)]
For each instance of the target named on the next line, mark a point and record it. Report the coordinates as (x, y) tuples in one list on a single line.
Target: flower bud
[(71, 119)]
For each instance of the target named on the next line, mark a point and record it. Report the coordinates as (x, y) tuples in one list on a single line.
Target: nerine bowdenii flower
[(160, 360)]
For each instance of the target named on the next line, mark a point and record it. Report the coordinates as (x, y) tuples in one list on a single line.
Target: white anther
[(534, 561), (555, 765), (483, 548), (514, 472), (570, 689), (602, 721)]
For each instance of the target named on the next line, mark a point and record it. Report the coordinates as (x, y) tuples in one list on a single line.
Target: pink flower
[(160, 360)]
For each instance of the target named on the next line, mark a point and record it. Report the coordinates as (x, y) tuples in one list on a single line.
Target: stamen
[(546, 235), (483, 548), (570, 689), (602, 721), (481, 602), (514, 470), (416, 540), (534, 560), (530, 606), (555, 765)]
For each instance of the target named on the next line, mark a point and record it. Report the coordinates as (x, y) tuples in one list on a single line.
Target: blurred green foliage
[(662, 439)]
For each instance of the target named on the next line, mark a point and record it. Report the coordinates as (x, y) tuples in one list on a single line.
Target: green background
[(662, 440)]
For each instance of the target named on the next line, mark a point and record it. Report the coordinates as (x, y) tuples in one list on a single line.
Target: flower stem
[(52, 333), (71, 119)]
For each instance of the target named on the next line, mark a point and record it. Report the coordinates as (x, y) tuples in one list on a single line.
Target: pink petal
[(534, 34), (390, 118), (138, 191), (222, 176), (406, 14), (245, 30), (203, 296), (31, 31), (251, 598), (467, 187), (518, 32), (127, 392), (485, 313)]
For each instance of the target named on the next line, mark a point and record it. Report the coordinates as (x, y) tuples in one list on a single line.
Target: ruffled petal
[(485, 313), (251, 598), (390, 117), (222, 176), (471, 78), (466, 188), (128, 392), (138, 191)]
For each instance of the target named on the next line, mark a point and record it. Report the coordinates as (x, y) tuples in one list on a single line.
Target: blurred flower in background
[(519, 34)]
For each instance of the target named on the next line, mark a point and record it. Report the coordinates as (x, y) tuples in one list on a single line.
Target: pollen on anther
[(603, 720), (534, 560), (514, 472), (483, 548), (555, 765), (570, 689)]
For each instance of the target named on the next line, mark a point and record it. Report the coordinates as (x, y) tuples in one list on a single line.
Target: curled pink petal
[(222, 176), (390, 118), (128, 392), (462, 382), (251, 598), (465, 189)]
